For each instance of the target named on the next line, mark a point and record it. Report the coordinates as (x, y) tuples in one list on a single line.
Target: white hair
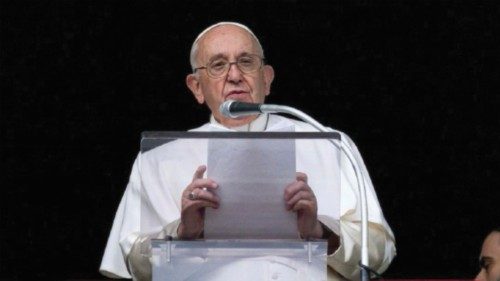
[(194, 47)]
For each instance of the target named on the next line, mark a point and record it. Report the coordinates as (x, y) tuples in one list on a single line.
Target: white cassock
[(158, 180)]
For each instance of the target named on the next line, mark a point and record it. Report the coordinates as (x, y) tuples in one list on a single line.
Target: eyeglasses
[(220, 66)]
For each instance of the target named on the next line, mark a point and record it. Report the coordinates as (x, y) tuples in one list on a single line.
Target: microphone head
[(225, 108), (235, 109)]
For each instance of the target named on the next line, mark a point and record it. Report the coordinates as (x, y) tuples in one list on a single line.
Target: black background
[(414, 83)]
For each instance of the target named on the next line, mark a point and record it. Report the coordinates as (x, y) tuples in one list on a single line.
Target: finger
[(191, 192), (304, 205), (293, 188), (301, 195), (301, 176), (202, 184), (200, 194), (198, 174), (200, 204)]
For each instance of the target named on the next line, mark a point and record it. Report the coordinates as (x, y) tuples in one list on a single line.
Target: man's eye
[(485, 264), (218, 65), (246, 61)]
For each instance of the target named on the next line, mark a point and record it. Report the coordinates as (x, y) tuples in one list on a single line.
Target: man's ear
[(268, 77), (193, 84)]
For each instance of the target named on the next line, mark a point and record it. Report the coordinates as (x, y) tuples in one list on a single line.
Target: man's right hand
[(197, 195)]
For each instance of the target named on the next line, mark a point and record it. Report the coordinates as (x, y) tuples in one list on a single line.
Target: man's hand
[(196, 197), (300, 198)]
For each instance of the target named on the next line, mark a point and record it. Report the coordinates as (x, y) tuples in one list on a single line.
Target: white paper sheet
[(252, 175)]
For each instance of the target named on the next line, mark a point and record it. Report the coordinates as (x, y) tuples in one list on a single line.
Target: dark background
[(414, 83)]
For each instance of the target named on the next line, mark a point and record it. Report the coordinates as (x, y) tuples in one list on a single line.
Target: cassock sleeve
[(126, 221), (381, 238), (128, 248)]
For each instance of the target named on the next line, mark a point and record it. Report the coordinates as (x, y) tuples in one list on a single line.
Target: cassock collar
[(258, 125)]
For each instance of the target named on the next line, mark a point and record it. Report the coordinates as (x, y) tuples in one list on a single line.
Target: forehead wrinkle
[(199, 43), (229, 34)]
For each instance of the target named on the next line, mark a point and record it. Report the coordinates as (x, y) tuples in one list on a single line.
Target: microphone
[(235, 109)]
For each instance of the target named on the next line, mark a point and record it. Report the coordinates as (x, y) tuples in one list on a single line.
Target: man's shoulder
[(300, 126), (176, 148), (277, 122)]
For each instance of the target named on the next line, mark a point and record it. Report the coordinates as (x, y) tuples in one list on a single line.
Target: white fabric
[(159, 181)]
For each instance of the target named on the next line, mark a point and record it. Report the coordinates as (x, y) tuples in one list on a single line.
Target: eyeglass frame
[(262, 63)]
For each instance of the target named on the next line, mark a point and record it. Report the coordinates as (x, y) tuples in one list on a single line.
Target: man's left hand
[(300, 198)]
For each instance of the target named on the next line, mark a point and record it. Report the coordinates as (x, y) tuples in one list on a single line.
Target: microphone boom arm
[(271, 108), (235, 109)]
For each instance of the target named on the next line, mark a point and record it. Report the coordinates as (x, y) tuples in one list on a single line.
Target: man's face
[(490, 258), (229, 42)]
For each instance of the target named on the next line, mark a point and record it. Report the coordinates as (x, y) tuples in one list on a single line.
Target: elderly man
[(228, 63), (489, 260)]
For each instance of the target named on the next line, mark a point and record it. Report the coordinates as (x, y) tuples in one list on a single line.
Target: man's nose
[(234, 73), (480, 276)]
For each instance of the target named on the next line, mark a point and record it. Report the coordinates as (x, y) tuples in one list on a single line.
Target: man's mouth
[(234, 95)]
